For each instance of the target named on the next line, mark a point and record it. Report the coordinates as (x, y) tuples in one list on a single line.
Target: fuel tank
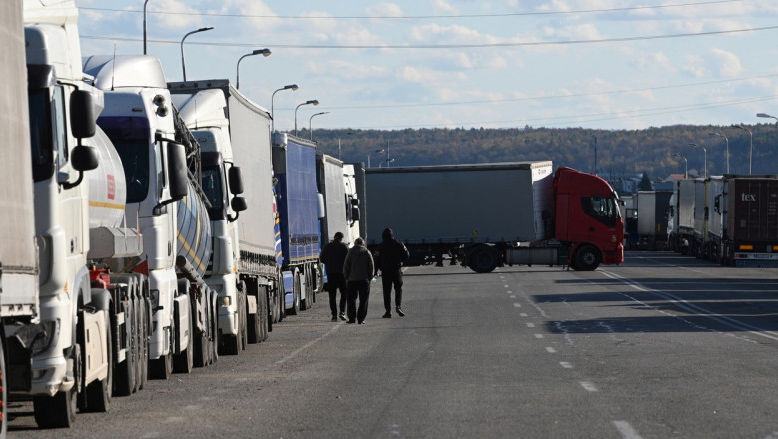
[(194, 231), (107, 187)]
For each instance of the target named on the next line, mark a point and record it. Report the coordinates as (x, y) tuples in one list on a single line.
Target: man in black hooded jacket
[(390, 254)]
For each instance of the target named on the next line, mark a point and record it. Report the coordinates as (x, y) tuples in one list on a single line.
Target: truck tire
[(483, 259), (183, 362), (270, 310), (213, 340), (587, 258), (59, 411), (143, 359), (201, 345), (262, 315), (3, 390), (162, 367), (126, 371), (244, 327)]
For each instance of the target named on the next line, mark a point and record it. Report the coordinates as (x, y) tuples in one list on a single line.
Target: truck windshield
[(602, 209), (212, 186), (135, 160), (40, 135)]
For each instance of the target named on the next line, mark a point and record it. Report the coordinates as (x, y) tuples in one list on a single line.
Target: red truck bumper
[(613, 256)]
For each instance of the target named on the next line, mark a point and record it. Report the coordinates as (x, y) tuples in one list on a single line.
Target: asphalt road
[(663, 346)]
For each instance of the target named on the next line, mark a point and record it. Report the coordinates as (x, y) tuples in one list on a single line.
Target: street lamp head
[(203, 29), (263, 52), (693, 145), (714, 134), (763, 115), (320, 113), (292, 87), (312, 101)]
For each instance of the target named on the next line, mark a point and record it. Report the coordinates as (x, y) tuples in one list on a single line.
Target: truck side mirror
[(355, 215), (82, 114), (235, 181), (322, 211), (84, 158), (238, 204), (177, 171)]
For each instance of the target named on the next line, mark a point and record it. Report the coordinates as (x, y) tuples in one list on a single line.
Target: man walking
[(358, 270), (390, 255), (332, 255)]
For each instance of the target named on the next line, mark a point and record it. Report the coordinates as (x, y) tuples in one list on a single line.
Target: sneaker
[(351, 321), (362, 322), (334, 318), (343, 316), (388, 315), (400, 312)]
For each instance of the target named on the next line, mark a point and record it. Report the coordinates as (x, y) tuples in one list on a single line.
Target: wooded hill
[(619, 152)]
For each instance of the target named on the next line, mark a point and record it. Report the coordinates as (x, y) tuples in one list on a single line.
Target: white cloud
[(656, 61), (176, 21), (385, 10), (727, 62), (441, 6)]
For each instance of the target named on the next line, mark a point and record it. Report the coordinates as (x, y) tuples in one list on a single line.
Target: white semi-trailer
[(164, 201), (18, 252), (235, 134), (354, 183), (331, 181), (92, 318)]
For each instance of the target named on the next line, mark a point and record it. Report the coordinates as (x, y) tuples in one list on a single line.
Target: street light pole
[(183, 63), (750, 144), (310, 121), (310, 102), (685, 165), (705, 155), (292, 87), (720, 134), (144, 26), (264, 52)]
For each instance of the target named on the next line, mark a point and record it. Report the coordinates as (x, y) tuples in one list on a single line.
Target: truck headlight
[(42, 342), (225, 301)]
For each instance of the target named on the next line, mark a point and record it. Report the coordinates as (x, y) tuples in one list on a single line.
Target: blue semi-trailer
[(294, 167)]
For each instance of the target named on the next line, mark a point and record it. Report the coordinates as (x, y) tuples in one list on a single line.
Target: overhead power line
[(441, 46), (416, 17)]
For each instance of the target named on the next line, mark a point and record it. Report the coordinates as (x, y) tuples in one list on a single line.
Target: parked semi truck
[(300, 212), (19, 311), (354, 183), (331, 183), (629, 213), (93, 318), (683, 238), (742, 224), (234, 131), (490, 215), (162, 167), (652, 212)]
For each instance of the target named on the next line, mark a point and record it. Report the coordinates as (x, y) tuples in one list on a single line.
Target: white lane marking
[(696, 309), (193, 407), (174, 419), (561, 328), (297, 351), (509, 292), (538, 335), (565, 364), (507, 286), (523, 314), (394, 430), (531, 302), (550, 350), (626, 430), (516, 305), (530, 325), (589, 386), (151, 434), (512, 297)]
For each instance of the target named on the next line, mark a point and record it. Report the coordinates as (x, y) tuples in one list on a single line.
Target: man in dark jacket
[(390, 255), (333, 255), (358, 269)]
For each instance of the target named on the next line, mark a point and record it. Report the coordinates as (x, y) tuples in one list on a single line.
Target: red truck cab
[(587, 215)]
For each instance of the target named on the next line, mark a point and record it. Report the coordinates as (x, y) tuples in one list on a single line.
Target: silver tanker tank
[(107, 188), (194, 234)]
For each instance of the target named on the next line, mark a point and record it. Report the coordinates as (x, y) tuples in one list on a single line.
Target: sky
[(465, 63)]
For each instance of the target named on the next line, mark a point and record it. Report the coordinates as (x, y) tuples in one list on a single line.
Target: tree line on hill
[(619, 152)]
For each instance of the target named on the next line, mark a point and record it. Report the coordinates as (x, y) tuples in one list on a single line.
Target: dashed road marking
[(175, 419), (626, 430), (513, 297), (523, 314), (589, 386), (507, 286), (509, 292), (151, 434), (550, 350), (516, 305), (565, 364), (192, 407), (530, 325), (538, 335)]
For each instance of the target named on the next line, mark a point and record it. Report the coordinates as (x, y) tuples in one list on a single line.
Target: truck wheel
[(262, 316), (162, 367), (201, 346), (126, 372), (244, 331), (58, 411), (213, 340), (483, 259), (254, 331), (143, 358), (269, 311), (184, 361), (587, 258), (3, 392)]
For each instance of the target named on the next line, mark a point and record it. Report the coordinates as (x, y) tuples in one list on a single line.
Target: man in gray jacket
[(358, 270)]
